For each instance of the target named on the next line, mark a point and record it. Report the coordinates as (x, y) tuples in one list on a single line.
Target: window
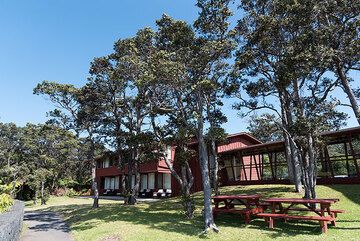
[(233, 169), (229, 170), (151, 180), (237, 169), (106, 163), (117, 180), (144, 183), (160, 181), (167, 181), (111, 183), (107, 183)]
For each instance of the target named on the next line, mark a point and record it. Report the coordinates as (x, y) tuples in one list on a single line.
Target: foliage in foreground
[(6, 201), (164, 220)]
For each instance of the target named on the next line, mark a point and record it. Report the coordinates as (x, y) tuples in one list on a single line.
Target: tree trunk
[(187, 182), (123, 184), (294, 170), (214, 167), (36, 195), (94, 185), (135, 190), (43, 200), (347, 89), (204, 167)]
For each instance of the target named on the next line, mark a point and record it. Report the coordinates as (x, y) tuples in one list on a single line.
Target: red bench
[(249, 202), (269, 217), (333, 211)]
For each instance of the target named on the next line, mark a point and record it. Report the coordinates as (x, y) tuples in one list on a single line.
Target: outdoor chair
[(168, 193), (142, 192), (161, 193)]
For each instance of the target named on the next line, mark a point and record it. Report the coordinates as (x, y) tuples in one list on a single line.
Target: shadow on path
[(45, 225)]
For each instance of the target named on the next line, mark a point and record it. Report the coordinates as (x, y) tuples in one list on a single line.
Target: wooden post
[(256, 167), (271, 165), (250, 167), (262, 166), (275, 164), (347, 159)]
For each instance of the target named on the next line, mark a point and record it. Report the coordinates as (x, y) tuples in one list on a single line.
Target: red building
[(245, 160), (155, 176)]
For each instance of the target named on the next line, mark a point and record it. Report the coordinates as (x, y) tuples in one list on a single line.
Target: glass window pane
[(160, 180), (167, 181), (117, 180), (151, 184), (143, 181), (230, 173), (132, 181), (107, 183), (112, 183)]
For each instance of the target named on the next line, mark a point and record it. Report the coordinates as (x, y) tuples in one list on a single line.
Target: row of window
[(147, 181)]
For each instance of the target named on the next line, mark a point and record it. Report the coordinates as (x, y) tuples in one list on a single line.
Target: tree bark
[(214, 167), (291, 154), (43, 201), (135, 190), (94, 185), (186, 181), (347, 89), (204, 167), (36, 195)]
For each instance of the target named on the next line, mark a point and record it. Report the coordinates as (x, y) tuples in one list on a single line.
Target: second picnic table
[(307, 205), (250, 204)]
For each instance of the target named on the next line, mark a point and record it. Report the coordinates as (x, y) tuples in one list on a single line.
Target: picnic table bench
[(250, 205), (309, 205)]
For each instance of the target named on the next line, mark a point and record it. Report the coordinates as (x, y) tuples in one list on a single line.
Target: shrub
[(70, 192), (6, 202)]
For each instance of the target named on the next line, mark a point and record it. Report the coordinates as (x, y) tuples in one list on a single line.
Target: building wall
[(234, 142)]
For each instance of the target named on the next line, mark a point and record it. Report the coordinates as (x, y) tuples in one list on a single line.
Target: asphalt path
[(45, 226)]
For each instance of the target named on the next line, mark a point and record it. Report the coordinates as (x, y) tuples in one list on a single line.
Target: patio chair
[(168, 193), (161, 193)]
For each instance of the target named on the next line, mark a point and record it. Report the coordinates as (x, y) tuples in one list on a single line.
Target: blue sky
[(56, 40)]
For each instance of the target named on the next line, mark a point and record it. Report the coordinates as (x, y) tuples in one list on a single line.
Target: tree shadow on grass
[(81, 217), (166, 215), (348, 191)]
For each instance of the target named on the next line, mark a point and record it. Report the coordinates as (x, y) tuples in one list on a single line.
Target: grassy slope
[(163, 220)]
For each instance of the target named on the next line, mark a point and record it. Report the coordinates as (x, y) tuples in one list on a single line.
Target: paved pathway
[(45, 226)]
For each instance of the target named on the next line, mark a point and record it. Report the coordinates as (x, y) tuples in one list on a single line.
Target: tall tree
[(74, 114), (10, 136), (335, 30), (273, 54)]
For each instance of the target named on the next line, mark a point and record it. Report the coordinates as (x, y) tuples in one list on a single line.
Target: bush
[(5, 202), (70, 192)]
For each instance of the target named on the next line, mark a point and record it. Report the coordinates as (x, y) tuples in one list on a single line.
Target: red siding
[(234, 142)]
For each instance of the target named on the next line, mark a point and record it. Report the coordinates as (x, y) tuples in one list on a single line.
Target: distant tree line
[(38, 159)]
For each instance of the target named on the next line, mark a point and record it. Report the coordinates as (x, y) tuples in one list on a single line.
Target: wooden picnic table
[(307, 205), (250, 204)]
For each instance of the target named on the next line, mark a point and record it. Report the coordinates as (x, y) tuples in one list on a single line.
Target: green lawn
[(164, 221)]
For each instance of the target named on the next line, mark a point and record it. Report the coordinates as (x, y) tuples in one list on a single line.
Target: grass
[(163, 220)]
